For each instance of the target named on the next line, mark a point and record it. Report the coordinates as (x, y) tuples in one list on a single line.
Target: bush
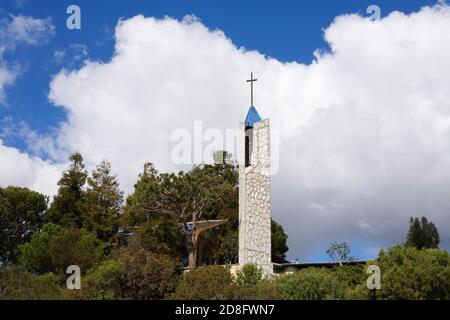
[(249, 276), (19, 284), (147, 275), (205, 283), (264, 290), (309, 284), (352, 280), (102, 283), (132, 273)]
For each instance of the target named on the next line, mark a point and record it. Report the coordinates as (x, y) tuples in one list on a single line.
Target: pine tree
[(103, 202), (68, 205), (145, 191), (422, 234)]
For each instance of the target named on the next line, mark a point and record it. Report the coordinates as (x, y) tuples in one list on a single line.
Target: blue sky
[(285, 30)]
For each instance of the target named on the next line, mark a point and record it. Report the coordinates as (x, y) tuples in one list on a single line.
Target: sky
[(360, 107)]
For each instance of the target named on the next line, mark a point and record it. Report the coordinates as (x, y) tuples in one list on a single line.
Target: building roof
[(252, 117), (298, 266)]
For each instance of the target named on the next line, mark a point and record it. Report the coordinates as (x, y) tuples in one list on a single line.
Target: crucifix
[(251, 86)]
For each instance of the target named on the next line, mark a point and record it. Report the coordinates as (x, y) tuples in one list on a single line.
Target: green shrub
[(409, 273), (309, 284), (249, 276), (205, 283), (101, 283), (147, 275), (19, 284), (131, 273), (264, 290)]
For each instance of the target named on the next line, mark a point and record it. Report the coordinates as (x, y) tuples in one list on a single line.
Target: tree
[(34, 255), (103, 202), (76, 247), (339, 252), (422, 234), (144, 195), (279, 238), (205, 283), (160, 236), (21, 215), (54, 249), (155, 230), (188, 197), (410, 273), (67, 208)]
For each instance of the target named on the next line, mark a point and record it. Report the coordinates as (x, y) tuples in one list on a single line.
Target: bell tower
[(254, 191)]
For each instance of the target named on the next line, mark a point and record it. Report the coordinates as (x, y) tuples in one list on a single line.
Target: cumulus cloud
[(20, 169), (364, 128)]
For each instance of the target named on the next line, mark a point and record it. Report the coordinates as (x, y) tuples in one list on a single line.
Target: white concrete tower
[(254, 192)]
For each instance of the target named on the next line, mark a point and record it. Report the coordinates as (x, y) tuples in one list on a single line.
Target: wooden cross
[(251, 86)]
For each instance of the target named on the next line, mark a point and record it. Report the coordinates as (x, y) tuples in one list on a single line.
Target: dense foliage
[(414, 274), (21, 215), (206, 283), (132, 273), (19, 284), (137, 250)]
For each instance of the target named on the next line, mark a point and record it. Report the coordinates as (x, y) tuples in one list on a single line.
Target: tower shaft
[(254, 196)]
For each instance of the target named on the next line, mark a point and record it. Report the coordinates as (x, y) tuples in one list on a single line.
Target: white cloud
[(365, 129), (16, 30), (7, 77), (27, 30), (20, 169)]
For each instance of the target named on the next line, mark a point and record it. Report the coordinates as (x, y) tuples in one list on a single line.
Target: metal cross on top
[(251, 86)]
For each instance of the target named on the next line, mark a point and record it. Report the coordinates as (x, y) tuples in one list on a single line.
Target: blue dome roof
[(252, 117)]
